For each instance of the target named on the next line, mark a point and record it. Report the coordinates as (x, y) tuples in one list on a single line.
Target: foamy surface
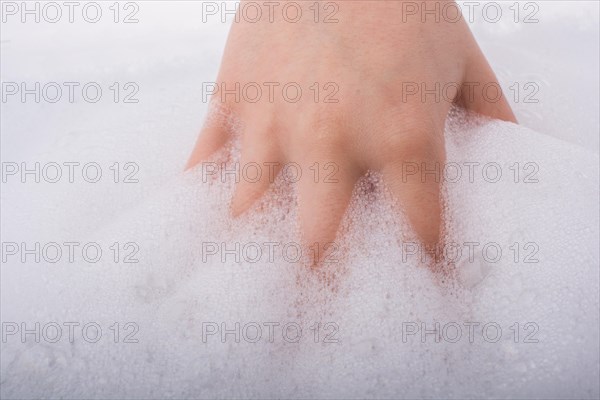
[(528, 318)]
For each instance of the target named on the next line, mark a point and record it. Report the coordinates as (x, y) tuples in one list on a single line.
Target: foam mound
[(380, 324), (171, 308)]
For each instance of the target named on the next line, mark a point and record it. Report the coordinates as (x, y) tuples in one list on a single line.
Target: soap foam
[(369, 302), (364, 303)]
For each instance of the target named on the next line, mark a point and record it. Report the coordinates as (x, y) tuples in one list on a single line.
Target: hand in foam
[(365, 88)]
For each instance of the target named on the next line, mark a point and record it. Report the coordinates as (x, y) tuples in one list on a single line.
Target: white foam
[(171, 293), (374, 294)]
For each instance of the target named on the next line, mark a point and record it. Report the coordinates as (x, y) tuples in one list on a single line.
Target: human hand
[(374, 60)]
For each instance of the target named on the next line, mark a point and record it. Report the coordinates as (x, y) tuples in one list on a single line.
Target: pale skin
[(370, 55)]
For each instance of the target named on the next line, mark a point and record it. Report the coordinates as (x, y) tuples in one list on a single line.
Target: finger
[(259, 165), (324, 192), (214, 134), (482, 93), (413, 180)]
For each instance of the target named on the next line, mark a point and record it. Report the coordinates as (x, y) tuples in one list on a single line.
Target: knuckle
[(420, 138), (409, 144), (326, 131)]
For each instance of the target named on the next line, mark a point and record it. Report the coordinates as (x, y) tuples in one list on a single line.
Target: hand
[(375, 61)]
